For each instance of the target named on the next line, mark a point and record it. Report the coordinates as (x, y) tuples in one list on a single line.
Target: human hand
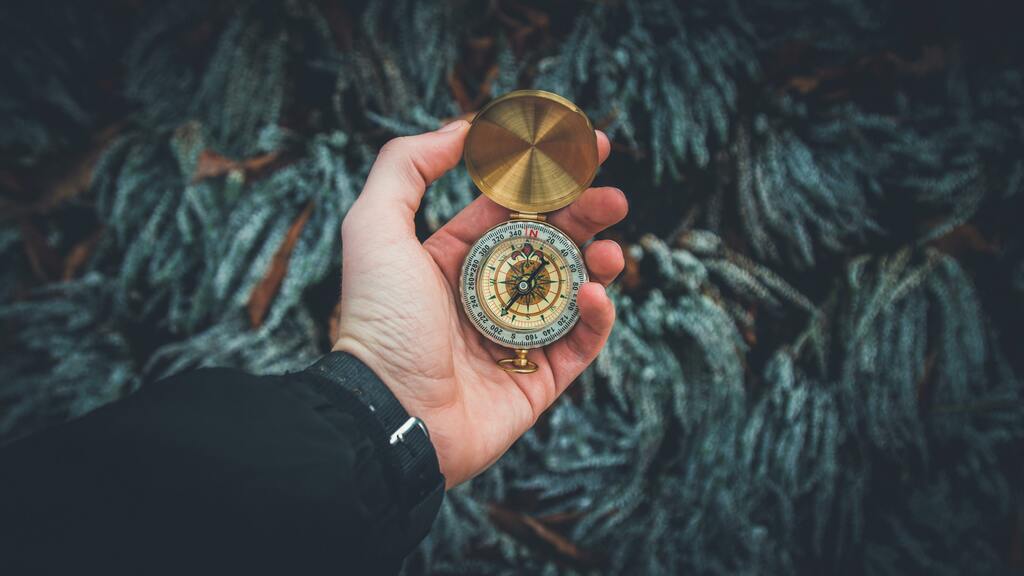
[(401, 313)]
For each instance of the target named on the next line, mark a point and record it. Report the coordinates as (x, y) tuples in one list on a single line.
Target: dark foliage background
[(817, 365)]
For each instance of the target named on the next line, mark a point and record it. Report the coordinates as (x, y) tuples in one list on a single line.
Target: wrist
[(417, 394), (401, 441)]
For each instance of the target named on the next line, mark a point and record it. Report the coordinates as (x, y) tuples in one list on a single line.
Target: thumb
[(404, 168)]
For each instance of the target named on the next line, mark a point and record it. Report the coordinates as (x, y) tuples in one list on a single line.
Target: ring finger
[(604, 261)]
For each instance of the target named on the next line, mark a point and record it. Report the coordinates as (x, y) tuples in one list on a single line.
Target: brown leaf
[(809, 83), (212, 164), (749, 332), (263, 293), (561, 544), (803, 84), (525, 525), (962, 240), (480, 43), (79, 255), (562, 517), (480, 46)]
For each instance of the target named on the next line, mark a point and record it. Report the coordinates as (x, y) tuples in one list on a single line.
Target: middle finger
[(595, 210)]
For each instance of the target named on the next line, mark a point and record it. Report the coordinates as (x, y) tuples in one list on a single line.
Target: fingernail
[(452, 126)]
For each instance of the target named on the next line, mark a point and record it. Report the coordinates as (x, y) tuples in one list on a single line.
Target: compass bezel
[(482, 319)]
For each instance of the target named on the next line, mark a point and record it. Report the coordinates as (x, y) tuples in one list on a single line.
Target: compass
[(532, 152)]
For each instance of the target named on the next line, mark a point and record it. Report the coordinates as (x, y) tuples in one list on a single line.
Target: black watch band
[(402, 439)]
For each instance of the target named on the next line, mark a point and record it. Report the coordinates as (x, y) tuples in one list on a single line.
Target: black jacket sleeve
[(213, 470)]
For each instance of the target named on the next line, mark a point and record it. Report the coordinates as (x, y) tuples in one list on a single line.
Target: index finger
[(452, 241)]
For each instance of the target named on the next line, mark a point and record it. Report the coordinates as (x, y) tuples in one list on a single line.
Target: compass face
[(519, 284)]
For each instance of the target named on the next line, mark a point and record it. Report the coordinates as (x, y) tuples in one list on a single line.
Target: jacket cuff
[(402, 441)]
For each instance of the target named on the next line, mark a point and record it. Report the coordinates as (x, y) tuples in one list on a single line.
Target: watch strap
[(402, 440)]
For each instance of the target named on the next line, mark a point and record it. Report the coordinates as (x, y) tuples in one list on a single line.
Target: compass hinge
[(527, 216)]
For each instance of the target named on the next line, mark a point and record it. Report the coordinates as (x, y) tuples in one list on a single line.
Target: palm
[(401, 314)]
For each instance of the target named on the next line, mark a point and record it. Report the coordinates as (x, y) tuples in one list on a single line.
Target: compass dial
[(519, 284)]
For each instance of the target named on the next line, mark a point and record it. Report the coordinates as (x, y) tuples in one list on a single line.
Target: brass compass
[(532, 152)]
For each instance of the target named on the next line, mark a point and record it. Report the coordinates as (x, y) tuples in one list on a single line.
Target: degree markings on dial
[(488, 273)]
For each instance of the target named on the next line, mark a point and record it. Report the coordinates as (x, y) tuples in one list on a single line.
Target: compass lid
[(531, 151)]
